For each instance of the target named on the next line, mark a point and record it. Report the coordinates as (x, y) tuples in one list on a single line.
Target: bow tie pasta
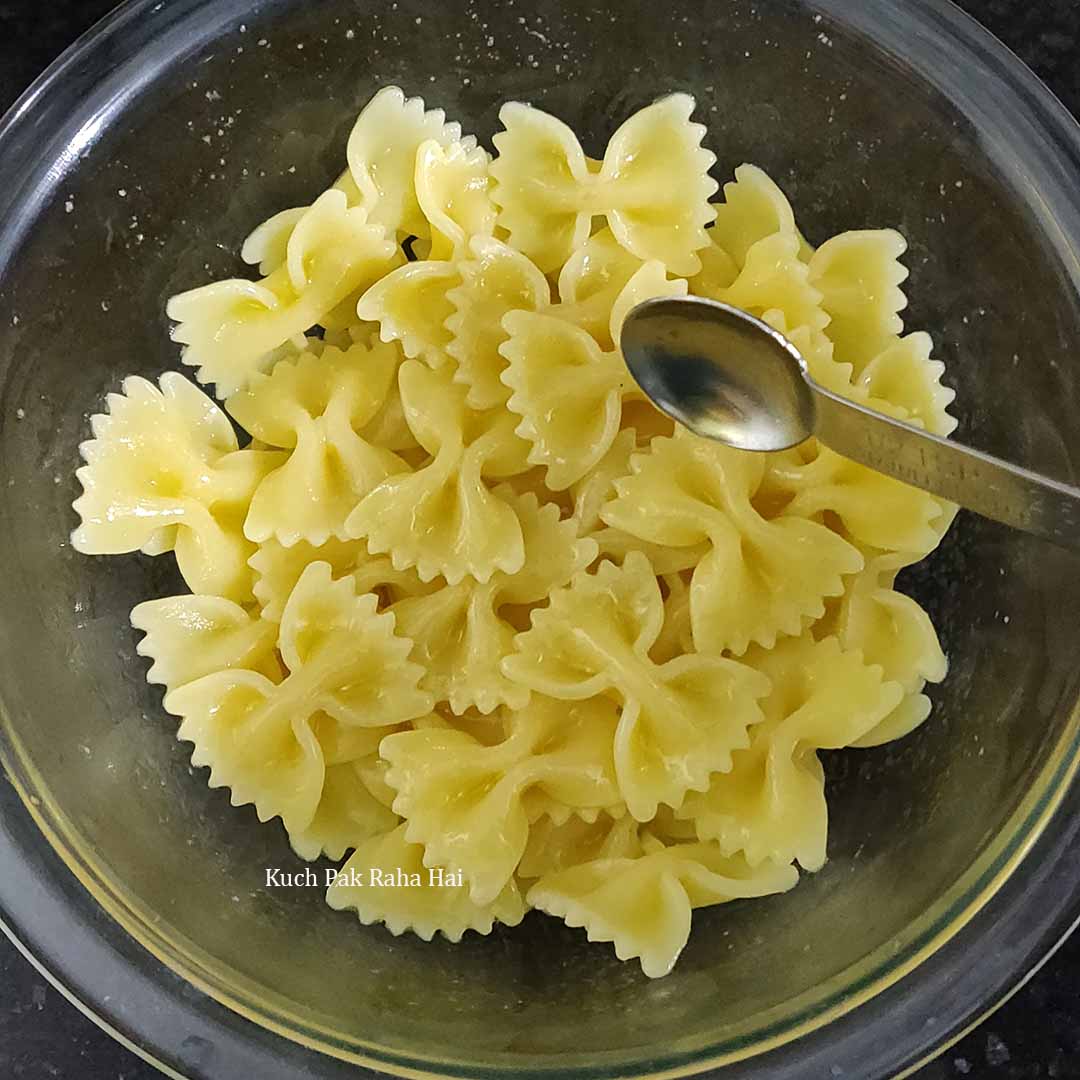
[(653, 185), (679, 721), (770, 805), (317, 406), (234, 329), (461, 632), (163, 473), (467, 612), (642, 903), (765, 574), (442, 518)]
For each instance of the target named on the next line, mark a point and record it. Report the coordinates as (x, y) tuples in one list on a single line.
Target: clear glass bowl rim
[(899, 1022)]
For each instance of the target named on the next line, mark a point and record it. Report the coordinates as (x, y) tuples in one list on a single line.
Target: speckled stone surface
[(1035, 1035)]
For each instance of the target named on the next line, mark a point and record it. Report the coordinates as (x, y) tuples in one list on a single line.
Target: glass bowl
[(134, 168)]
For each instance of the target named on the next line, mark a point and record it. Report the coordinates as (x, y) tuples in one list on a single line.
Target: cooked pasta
[(467, 612)]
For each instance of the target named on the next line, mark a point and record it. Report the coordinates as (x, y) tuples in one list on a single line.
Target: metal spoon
[(728, 376)]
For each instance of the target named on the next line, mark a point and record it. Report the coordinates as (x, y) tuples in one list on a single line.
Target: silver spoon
[(730, 377)]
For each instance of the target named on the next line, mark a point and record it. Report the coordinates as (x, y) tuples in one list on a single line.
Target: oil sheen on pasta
[(465, 600)]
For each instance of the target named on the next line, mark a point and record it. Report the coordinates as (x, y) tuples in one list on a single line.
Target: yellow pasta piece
[(163, 474), (452, 190), (763, 576), (669, 828), (187, 637), (464, 801), (346, 743), (653, 185), (597, 486), (459, 634), (649, 282), (773, 278), (555, 845), (388, 428), (570, 436), (442, 519), (718, 273), (411, 305), (817, 350), (347, 815), (261, 739), (495, 279), (642, 905), (488, 729), (771, 804), (234, 329), (859, 275), (385, 142), (676, 637), (904, 374), (597, 287), (372, 770), (267, 245), (876, 510), (386, 881), (591, 280), (382, 152), (893, 631), (459, 640), (615, 545), (315, 406), (754, 208), (278, 569), (679, 722)]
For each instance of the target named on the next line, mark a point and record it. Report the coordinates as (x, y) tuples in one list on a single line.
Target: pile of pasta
[(466, 600)]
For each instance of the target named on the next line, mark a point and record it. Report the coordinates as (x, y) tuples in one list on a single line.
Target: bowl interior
[(158, 179)]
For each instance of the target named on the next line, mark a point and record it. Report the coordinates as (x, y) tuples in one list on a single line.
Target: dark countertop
[(1035, 1035)]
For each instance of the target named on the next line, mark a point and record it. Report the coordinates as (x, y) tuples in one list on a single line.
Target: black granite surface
[(1035, 1035)]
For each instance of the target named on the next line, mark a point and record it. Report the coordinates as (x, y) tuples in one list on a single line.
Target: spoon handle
[(989, 486)]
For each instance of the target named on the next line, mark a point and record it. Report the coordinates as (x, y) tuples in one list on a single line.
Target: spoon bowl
[(720, 372)]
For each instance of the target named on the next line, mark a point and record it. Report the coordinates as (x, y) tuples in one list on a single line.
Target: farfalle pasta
[(770, 806), (234, 329), (163, 473), (652, 187), (466, 802), (442, 518), (346, 673), (764, 575), (317, 406), (460, 632), (382, 154), (470, 616), (189, 636), (641, 903), (679, 721)]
